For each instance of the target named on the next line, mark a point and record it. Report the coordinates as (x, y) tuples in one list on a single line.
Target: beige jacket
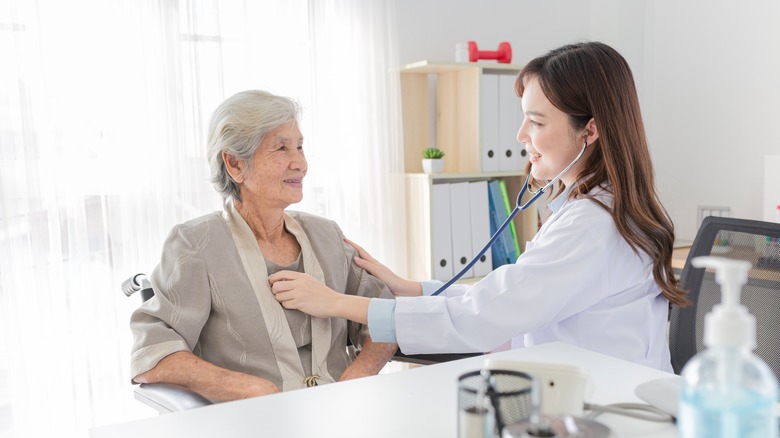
[(212, 298)]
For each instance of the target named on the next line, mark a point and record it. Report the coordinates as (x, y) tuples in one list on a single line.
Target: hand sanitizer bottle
[(727, 391)]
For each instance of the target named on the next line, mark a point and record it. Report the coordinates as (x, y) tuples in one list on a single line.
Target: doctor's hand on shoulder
[(400, 287)]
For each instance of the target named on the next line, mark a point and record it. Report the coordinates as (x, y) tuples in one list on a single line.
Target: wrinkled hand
[(299, 291), (400, 287)]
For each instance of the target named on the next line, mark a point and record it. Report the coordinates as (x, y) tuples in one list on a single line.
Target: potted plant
[(432, 160)]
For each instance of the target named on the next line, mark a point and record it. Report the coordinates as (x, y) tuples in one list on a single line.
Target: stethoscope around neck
[(518, 208)]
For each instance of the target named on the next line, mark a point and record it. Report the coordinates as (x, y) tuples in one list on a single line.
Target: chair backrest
[(742, 239)]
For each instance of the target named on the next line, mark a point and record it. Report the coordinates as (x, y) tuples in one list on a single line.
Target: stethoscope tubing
[(518, 208)]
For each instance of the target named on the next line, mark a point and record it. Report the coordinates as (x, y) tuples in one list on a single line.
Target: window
[(102, 151)]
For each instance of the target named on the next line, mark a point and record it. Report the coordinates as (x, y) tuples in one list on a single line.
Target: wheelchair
[(162, 397)]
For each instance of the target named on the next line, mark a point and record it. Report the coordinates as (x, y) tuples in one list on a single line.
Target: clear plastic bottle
[(727, 391)]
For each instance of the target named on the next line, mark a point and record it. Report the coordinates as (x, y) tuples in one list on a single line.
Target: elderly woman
[(213, 325)]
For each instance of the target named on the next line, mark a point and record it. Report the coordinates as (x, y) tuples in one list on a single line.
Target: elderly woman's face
[(278, 168)]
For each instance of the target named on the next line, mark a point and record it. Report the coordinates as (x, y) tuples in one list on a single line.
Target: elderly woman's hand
[(400, 287)]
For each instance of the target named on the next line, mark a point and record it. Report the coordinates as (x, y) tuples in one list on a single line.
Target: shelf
[(473, 125), (480, 175), (460, 177), (477, 128), (428, 67)]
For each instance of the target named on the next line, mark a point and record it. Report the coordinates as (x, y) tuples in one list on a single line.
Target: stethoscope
[(518, 209)]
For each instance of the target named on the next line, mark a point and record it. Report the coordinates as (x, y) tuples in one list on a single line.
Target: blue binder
[(503, 249)]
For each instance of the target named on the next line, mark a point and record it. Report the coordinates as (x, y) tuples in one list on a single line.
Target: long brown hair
[(592, 80)]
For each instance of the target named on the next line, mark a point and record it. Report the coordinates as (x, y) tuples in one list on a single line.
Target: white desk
[(420, 402)]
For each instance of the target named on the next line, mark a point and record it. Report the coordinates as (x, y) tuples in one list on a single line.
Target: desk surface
[(679, 255), (749, 253), (420, 402)]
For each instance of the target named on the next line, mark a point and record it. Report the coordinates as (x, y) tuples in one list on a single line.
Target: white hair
[(238, 126)]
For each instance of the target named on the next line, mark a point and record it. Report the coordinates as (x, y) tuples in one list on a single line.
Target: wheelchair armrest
[(165, 398)]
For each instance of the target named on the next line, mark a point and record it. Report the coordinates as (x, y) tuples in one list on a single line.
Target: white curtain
[(354, 61), (103, 113)]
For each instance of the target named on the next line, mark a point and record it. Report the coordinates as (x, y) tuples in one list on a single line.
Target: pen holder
[(487, 404)]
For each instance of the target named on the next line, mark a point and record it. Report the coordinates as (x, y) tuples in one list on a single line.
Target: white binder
[(488, 130), (441, 234), (480, 226), (510, 117), (461, 227)]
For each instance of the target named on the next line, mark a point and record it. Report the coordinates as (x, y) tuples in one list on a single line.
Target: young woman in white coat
[(598, 273)]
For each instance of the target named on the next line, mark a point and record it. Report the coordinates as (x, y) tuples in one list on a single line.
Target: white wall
[(429, 29), (708, 75), (714, 106)]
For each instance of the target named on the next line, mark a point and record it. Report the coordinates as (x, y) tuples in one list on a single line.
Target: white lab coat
[(578, 282)]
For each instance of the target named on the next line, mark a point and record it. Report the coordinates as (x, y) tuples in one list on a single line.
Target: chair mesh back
[(738, 239)]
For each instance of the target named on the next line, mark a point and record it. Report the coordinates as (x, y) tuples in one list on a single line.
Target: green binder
[(509, 208)]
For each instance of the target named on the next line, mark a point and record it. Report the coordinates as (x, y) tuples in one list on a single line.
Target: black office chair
[(162, 397), (740, 239)]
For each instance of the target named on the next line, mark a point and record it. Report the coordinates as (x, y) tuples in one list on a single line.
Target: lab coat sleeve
[(563, 273), (381, 319)]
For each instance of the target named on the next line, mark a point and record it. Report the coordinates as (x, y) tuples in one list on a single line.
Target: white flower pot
[(432, 165)]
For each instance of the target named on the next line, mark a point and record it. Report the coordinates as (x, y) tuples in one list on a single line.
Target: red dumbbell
[(502, 55)]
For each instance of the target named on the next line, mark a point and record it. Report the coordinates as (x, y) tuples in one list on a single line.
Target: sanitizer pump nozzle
[(727, 390), (729, 324)]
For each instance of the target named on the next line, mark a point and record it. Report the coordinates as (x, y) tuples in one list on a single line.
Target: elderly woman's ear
[(234, 167)]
